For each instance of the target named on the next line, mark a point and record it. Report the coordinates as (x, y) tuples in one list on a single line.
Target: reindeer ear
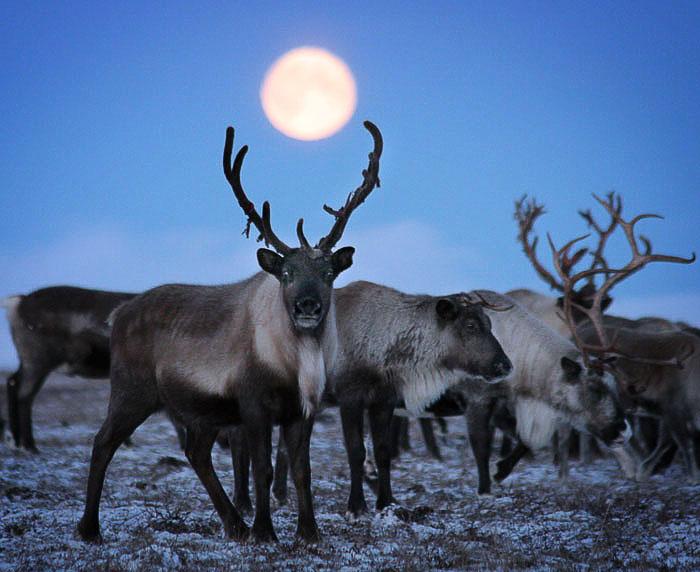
[(270, 262), (572, 370), (341, 259), (446, 309)]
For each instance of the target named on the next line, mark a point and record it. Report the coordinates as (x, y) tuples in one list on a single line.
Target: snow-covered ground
[(155, 515)]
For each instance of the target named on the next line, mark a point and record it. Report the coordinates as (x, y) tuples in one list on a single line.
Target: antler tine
[(300, 234), (276, 243), (526, 220), (485, 303), (612, 205), (358, 196), (233, 176)]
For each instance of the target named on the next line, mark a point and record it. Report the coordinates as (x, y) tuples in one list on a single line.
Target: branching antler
[(613, 202), (233, 176), (526, 214), (612, 277), (358, 196)]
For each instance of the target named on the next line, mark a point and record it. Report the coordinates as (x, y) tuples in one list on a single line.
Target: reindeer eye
[(470, 325), (286, 275), (330, 273)]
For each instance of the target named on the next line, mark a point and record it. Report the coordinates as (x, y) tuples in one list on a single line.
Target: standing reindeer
[(51, 327), (396, 349), (583, 314), (253, 353)]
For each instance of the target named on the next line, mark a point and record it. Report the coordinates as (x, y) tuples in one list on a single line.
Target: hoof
[(88, 534), (263, 535), (238, 533), (307, 537)]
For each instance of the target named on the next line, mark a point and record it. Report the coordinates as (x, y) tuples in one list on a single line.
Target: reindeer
[(52, 327), (396, 349), (588, 310), (664, 385), (253, 353), (550, 386)]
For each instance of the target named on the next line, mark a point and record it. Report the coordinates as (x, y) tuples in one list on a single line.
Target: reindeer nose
[(308, 307)]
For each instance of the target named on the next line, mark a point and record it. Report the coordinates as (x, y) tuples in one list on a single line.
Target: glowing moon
[(308, 94)]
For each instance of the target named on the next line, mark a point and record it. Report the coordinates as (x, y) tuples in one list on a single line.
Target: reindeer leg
[(480, 439), (504, 467), (426, 427), (399, 436), (297, 437), (120, 423), (380, 426), (259, 431), (564, 433), (279, 485), (22, 388), (352, 417), (240, 459), (664, 443), (12, 385), (198, 451)]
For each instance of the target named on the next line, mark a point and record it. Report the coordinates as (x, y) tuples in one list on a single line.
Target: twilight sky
[(114, 117)]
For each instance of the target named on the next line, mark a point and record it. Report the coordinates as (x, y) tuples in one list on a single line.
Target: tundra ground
[(155, 514)]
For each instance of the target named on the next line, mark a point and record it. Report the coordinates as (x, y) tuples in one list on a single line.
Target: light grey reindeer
[(551, 386), (253, 353), (53, 327), (396, 349)]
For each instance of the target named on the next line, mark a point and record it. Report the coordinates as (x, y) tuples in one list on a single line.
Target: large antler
[(233, 176), (612, 277), (358, 196), (613, 202), (526, 214)]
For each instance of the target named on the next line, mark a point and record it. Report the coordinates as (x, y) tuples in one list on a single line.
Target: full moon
[(308, 94)]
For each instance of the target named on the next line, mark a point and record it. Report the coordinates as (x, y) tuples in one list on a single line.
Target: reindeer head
[(591, 401), (467, 343), (306, 274)]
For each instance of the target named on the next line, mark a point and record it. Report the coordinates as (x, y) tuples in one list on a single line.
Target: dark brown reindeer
[(587, 313), (253, 353), (397, 349), (53, 327)]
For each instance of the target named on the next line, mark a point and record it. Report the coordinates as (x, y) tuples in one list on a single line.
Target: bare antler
[(481, 301), (526, 214), (233, 176), (358, 196), (612, 277), (613, 202)]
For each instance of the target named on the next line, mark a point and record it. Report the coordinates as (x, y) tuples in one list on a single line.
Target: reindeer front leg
[(380, 426), (297, 437), (259, 430), (352, 417)]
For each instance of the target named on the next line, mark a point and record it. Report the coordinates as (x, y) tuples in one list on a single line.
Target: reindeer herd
[(232, 361)]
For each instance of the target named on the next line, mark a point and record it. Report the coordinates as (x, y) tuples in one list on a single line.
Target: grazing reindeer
[(589, 312), (398, 349), (51, 327), (665, 385), (550, 386), (254, 353)]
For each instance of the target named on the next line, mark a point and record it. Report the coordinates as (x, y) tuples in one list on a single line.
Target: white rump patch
[(536, 422), (420, 389), (312, 375)]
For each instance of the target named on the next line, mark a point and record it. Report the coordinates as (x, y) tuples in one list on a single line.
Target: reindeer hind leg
[(122, 420)]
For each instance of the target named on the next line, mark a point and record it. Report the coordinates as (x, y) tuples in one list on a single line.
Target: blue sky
[(114, 117)]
